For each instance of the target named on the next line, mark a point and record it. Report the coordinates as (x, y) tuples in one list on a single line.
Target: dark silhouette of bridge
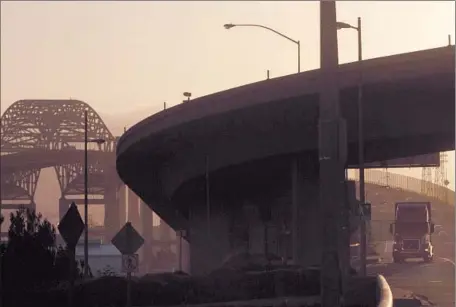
[(38, 134)]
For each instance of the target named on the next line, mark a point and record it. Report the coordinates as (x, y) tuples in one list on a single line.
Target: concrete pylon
[(147, 233), (332, 157), (133, 210), (122, 205), (111, 218)]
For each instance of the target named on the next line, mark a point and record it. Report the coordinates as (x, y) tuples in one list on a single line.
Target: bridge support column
[(208, 250), (147, 233), (133, 210), (111, 218), (305, 218), (122, 205)]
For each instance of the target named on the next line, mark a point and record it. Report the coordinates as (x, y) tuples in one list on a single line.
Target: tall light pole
[(362, 192), (86, 195), (230, 25)]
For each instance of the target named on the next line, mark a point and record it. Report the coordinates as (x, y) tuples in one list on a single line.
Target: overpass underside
[(244, 139), (257, 207)]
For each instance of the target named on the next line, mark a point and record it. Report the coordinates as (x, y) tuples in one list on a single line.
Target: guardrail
[(406, 183), (384, 294)]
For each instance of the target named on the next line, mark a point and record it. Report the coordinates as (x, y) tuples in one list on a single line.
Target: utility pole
[(332, 158), (362, 191), (86, 202)]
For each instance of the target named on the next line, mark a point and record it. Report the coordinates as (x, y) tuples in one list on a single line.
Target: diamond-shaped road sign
[(127, 240), (71, 226)]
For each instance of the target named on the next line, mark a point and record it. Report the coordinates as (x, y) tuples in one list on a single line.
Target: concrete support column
[(147, 233), (111, 218), (133, 209), (256, 232), (305, 218), (208, 251), (64, 204), (310, 243), (122, 205)]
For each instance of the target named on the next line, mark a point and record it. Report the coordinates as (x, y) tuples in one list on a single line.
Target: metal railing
[(406, 183)]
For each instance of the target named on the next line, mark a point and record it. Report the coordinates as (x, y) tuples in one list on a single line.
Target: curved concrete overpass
[(408, 104)]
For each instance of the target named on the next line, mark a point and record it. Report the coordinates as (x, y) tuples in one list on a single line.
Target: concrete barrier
[(384, 294)]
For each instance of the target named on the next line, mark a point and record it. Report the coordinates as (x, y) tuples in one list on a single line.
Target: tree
[(31, 258)]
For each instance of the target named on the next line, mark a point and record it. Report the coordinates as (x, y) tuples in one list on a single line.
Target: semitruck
[(412, 231)]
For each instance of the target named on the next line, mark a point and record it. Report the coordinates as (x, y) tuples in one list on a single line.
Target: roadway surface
[(433, 282)]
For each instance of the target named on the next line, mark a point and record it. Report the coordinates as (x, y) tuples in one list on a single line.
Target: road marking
[(448, 260), (442, 233), (435, 281)]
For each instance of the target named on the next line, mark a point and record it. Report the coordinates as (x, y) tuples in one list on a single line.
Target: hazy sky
[(125, 57)]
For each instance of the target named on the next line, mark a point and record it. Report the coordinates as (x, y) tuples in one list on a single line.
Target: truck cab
[(412, 230)]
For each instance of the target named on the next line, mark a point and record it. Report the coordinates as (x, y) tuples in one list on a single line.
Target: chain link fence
[(406, 183)]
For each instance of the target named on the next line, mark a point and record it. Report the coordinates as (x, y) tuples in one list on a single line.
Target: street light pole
[(86, 194), (86, 203), (362, 190), (230, 25)]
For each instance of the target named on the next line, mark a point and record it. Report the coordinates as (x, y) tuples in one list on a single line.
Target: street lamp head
[(343, 25), (187, 94), (228, 26)]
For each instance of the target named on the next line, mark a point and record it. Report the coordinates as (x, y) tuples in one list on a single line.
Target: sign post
[(128, 241), (70, 228)]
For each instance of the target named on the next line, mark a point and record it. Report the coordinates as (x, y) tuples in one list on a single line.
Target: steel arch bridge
[(37, 134)]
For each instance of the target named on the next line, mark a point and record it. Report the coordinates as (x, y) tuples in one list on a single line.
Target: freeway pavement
[(434, 282)]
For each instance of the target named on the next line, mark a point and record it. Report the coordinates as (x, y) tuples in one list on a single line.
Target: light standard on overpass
[(230, 25), (86, 195), (188, 95), (362, 194)]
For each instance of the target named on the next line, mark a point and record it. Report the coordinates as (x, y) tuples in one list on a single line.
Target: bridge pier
[(147, 233), (133, 210), (122, 203), (305, 218), (111, 218), (208, 248)]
